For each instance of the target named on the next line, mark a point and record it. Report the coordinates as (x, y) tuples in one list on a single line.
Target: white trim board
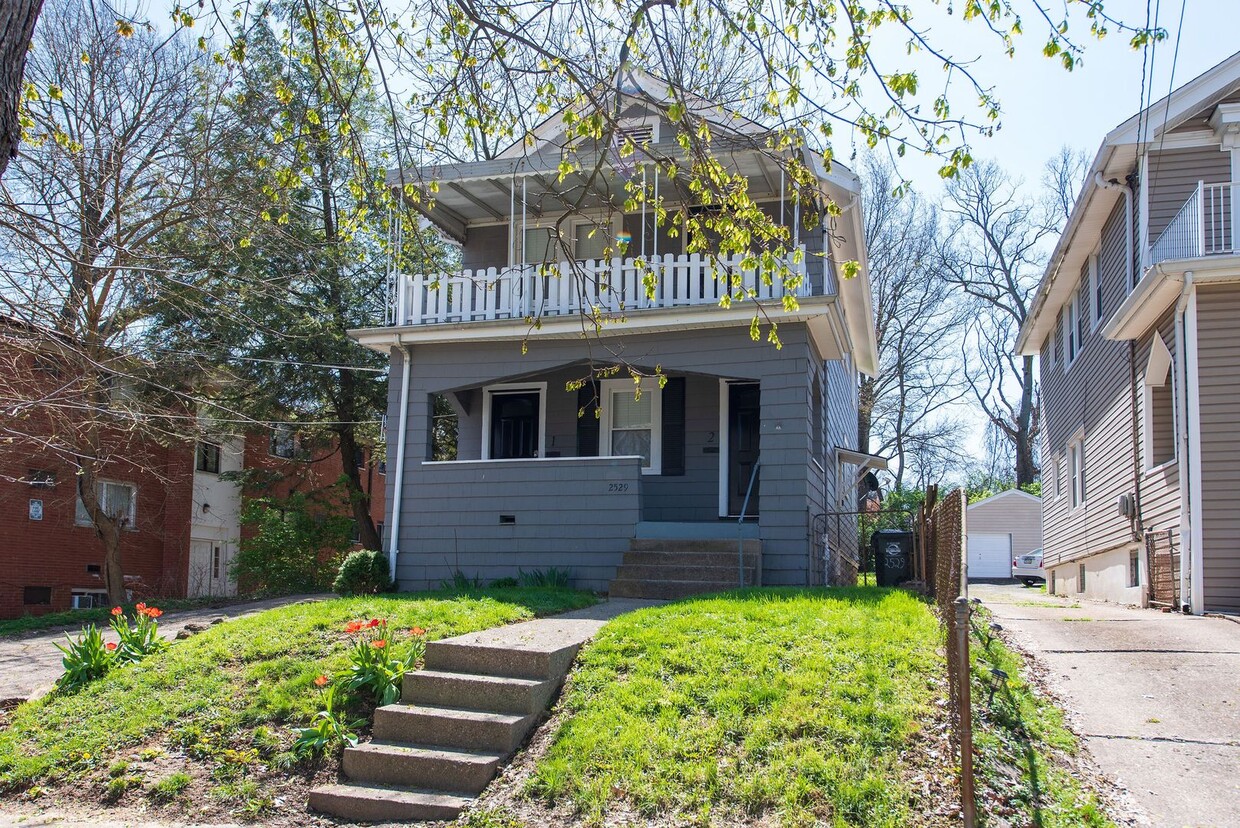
[(514, 388)]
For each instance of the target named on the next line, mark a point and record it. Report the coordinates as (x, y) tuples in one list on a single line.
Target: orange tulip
[(111, 645), (117, 611), (378, 644), (417, 631), (321, 681)]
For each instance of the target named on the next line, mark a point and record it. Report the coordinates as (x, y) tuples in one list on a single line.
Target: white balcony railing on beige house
[(609, 286), (1205, 226)]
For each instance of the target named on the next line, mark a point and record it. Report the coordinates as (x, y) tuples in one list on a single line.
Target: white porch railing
[(610, 285), (1205, 226)]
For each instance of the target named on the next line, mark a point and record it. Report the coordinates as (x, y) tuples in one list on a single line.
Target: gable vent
[(639, 132)]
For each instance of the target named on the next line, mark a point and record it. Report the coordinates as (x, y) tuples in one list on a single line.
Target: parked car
[(1027, 568)]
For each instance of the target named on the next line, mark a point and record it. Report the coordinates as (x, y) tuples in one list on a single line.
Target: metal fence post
[(964, 713)]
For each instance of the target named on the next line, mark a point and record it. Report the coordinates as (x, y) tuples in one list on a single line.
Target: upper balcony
[(1205, 226), (600, 288)]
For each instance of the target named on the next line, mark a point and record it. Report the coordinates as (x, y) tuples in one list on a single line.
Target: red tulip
[(378, 644)]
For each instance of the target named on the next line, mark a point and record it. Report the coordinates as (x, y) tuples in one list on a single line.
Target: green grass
[(1020, 739), (782, 703), (210, 692), (101, 615)]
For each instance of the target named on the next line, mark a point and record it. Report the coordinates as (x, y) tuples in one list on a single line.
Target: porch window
[(590, 240), (538, 245), (514, 419), (631, 424), (118, 500)]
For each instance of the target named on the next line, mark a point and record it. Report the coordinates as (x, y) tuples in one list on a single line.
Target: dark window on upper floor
[(208, 458)]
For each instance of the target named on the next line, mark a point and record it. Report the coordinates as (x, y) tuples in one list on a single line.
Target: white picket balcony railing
[(609, 286), (1205, 226)]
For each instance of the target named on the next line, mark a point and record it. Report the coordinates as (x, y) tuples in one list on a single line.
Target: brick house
[(182, 513)]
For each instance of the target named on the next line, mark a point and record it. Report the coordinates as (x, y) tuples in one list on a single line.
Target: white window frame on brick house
[(103, 490), (650, 389), (1077, 490)]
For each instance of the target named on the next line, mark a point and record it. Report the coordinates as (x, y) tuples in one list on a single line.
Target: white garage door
[(990, 556)]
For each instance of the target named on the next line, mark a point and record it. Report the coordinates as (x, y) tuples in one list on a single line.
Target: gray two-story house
[(1135, 323), (566, 303)]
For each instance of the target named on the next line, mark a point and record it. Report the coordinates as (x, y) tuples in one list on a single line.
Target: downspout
[(398, 489), (1187, 549), (1137, 520)]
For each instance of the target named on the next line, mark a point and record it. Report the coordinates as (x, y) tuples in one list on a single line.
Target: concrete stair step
[(499, 694), (666, 590), (720, 544), (421, 766), (381, 803), (672, 572), (452, 727), (534, 658), (672, 558)]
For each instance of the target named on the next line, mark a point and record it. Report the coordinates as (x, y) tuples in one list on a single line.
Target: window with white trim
[(539, 245), (632, 423), (1076, 471), (283, 442), (1158, 441), (1056, 480), (1095, 293), (208, 457), (118, 501), (1072, 331)]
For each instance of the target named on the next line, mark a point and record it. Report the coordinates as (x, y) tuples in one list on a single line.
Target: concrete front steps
[(669, 568), (459, 719)]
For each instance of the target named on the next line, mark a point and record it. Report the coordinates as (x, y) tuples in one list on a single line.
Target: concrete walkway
[(30, 664), (1155, 696)]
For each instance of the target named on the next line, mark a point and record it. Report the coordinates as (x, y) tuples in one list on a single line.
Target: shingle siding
[(788, 478)]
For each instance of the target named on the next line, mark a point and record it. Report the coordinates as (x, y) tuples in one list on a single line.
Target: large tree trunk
[(367, 535), (107, 529), (1026, 433), (17, 19)]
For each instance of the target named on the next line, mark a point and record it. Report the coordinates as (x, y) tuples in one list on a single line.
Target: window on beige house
[(1076, 471), (1158, 437)]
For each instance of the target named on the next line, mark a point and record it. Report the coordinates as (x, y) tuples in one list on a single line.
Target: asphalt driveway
[(1155, 696), (30, 664)]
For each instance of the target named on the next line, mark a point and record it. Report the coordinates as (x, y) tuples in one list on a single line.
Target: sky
[(1046, 107)]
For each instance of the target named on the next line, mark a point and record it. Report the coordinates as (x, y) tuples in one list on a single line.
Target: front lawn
[(224, 696), (783, 704)]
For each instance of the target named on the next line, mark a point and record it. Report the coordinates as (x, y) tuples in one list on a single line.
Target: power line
[(279, 361)]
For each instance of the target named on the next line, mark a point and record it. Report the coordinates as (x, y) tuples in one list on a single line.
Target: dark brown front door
[(744, 421)]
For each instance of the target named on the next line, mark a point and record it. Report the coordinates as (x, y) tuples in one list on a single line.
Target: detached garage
[(1001, 527)]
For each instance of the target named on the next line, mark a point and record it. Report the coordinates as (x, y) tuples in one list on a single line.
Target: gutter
[(398, 490)]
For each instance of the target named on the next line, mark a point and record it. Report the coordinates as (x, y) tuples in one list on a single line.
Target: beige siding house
[(1001, 527), (1134, 324)]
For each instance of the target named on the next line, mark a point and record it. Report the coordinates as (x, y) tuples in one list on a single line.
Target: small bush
[(553, 577), (170, 787), (505, 583), (295, 545), (363, 573)]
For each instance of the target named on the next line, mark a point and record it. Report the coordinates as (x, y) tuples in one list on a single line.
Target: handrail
[(1205, 225), (740, 531)]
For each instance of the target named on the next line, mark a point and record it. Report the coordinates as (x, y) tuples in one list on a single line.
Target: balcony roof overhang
[(1158, 289), (821, 315)]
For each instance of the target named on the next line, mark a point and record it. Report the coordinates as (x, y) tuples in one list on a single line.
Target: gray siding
[(1173, 178), (693, 496), (727, 352), (1218, 370), (1094, 395), (459, 506)]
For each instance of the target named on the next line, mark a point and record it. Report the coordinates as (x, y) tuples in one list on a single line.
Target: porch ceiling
[(554, 182)]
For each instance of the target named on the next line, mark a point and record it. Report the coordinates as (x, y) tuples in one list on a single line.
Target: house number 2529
[(617, 487)]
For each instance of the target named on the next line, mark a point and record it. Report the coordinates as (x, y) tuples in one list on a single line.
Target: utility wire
[(278, 361)]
